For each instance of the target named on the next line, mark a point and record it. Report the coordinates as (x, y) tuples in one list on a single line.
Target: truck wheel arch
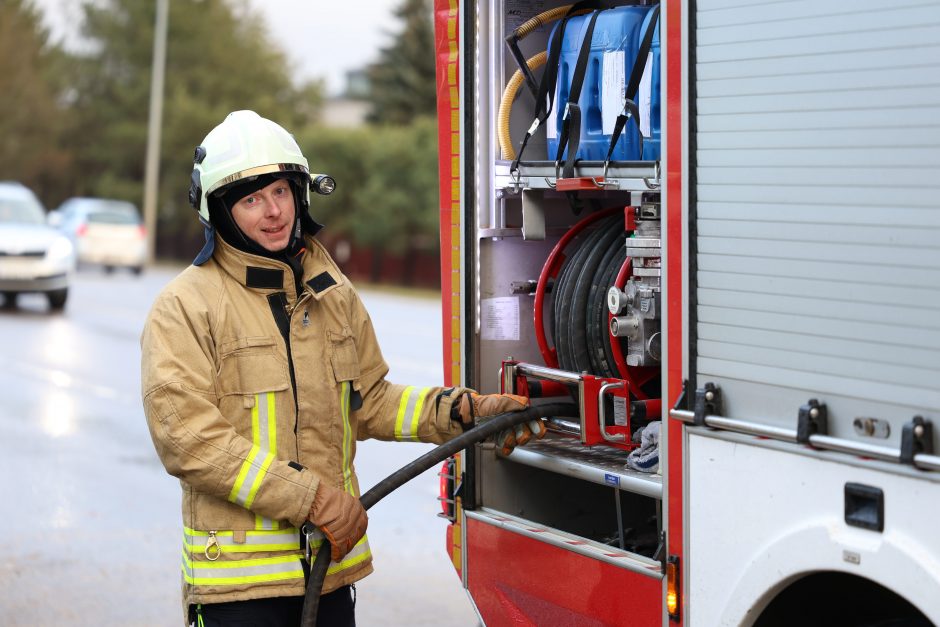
[(892, 567)]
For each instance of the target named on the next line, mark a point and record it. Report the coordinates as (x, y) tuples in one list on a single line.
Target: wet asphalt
[(90, 524)]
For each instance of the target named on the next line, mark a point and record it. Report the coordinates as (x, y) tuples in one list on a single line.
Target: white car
[(33, 256), (105, 232)]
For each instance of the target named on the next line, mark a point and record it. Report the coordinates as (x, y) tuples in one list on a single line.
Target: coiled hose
[(580, 319), (403, 475)]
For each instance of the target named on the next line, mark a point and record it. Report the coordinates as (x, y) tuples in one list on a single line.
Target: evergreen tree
[(30, 115), (402, 83), (219, 59)]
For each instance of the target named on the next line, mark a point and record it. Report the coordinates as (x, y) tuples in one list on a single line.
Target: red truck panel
[(516, 580)]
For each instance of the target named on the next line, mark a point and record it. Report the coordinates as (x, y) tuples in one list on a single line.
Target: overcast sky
[(322, 39)]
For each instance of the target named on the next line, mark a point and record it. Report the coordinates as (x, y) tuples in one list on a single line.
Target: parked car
[(107, 233), (33, 256)]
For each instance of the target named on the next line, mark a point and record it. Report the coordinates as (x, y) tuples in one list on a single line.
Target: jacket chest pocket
[(251, 366), (344, 358)]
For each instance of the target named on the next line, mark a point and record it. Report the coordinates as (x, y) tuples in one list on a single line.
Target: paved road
[(89, 520)]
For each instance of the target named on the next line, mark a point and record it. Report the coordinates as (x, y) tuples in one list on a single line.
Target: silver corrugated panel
[(818, 208)]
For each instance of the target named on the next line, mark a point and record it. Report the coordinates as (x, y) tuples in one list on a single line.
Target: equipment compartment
[(539, 231)]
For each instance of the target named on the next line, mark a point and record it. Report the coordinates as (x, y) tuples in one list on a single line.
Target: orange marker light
[(672, 587)]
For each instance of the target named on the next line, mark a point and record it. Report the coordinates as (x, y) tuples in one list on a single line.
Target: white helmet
[(243, 146)]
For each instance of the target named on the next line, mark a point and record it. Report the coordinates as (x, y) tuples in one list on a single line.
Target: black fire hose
[(403, 475)]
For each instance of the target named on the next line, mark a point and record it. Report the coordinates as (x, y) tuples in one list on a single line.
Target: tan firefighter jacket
[(253, 396)]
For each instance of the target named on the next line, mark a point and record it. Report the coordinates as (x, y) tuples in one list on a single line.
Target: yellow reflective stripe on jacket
[(409, 414), (359, 553), (264, 447), (345, 392), (284, 540), (235, 572)]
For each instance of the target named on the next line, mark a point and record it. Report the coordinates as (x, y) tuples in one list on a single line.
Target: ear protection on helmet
[(195, 183)]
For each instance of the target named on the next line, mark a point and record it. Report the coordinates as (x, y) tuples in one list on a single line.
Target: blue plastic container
[(652, 141), (614, 47)]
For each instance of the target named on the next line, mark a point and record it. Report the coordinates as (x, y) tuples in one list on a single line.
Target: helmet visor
[(252, 172)]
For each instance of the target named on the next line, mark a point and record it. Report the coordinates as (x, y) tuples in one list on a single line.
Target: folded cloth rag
[(646, 457)]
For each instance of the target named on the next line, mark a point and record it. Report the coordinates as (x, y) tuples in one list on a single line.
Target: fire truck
[(714, 226)]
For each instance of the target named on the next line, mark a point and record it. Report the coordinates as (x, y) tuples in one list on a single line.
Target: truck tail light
[(447, 499), (672, 587)]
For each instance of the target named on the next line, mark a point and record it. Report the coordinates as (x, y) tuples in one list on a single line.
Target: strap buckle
[(309, 530)]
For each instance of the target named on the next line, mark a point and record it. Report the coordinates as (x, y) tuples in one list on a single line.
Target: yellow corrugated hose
[(512, 87), (505, 105), (542, 18)]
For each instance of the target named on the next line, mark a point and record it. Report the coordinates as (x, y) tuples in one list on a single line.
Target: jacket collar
[(320, 274)]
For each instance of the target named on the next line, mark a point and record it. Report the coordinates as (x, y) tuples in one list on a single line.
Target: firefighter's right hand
[(473, 407), (341, 517)]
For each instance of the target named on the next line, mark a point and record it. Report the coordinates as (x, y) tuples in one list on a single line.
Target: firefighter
[(260, 371)]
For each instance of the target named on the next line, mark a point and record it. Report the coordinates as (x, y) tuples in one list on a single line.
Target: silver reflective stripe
[(360, 553), (263, 429), (238, 572), (266, 432), (409, 413), (286, 540), (408, 423)]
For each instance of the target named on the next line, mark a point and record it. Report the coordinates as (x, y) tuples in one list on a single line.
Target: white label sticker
[(519, 11), (620, 411), (645, 96), (612, 90), (500, 318)]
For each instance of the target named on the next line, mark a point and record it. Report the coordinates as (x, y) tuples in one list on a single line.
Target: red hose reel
[(635, 377)]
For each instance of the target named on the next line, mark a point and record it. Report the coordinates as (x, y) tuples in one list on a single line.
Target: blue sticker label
[(613, 480)]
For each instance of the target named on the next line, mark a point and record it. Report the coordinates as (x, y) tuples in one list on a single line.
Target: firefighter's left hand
[(474, 407)]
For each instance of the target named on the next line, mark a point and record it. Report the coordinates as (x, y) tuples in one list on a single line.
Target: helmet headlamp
[(323, 184)]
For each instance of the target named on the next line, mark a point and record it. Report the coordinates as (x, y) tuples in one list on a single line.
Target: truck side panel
[(763, 515), (516, 579), (817, 261)]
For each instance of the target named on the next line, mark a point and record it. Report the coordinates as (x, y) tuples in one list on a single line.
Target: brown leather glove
[(341, 517), (473, 406)]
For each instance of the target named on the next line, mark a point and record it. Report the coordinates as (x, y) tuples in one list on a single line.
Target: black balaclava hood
[(220, 213)]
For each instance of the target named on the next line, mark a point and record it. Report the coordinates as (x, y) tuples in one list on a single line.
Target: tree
[(219, 59), (402, 83), (30, 114), (386, 187)]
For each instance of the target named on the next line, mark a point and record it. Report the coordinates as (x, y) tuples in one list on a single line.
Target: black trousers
[(337, 609)]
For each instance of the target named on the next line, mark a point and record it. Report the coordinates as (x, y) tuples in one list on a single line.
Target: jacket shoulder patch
[(321, 282)]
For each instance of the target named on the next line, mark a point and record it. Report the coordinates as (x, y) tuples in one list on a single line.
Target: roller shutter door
[(816, 201)]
